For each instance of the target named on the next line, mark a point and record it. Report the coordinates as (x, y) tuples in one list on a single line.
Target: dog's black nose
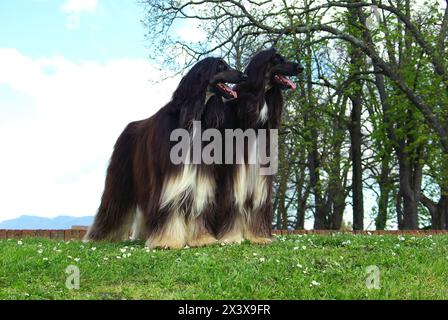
[(244, 77)]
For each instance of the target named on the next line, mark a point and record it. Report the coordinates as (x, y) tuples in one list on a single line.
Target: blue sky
[(91, 30), (73, 73)]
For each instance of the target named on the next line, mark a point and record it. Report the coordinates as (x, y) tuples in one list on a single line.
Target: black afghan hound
[(170, 205), (246, 209)]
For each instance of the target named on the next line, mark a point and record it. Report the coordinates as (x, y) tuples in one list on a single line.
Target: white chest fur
[(263, 116)]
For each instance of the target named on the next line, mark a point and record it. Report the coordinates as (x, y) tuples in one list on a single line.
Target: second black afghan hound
[(246, 209), (168, 205)]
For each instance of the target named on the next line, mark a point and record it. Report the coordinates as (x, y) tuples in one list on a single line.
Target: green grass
[(410, 268)]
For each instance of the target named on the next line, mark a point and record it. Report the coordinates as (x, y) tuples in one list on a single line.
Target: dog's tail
[(117, 209)]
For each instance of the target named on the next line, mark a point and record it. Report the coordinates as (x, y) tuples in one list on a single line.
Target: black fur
[(140, 165), (252, 220)]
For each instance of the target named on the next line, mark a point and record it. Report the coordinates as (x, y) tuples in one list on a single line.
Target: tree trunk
[(383, 201), (356, 154), (302, 197), (282, 188), (357, 63), (438, 211), (410, 186), (310, 122)]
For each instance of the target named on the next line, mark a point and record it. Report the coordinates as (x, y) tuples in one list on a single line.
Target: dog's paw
[(157, 244), (260, 240), (202, 241), (232, 239)]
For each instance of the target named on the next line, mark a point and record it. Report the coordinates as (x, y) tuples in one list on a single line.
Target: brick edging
[(74, 234), (65, 235)]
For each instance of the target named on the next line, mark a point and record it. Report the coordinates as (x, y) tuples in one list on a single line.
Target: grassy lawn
[(293, 267)]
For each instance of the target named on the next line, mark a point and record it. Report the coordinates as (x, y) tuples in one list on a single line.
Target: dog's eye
[(222, 66), (277, 59)]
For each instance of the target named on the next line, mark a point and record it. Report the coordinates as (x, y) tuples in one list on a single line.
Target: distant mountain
[(35, 222)]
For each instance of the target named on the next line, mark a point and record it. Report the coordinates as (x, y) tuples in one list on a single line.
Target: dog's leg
[(201, 215), (172, 235), (138, 228), (232, 208), (258, 226), (198, 233), (235, 234)]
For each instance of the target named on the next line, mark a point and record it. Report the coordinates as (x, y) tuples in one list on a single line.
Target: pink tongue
[(290, 83), (233, 93)]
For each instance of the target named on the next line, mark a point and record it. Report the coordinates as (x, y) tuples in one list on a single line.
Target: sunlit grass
[(293, 267)]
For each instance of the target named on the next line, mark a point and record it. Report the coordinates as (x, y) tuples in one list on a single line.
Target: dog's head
[(218, 84), (268, 69), (209, 74)]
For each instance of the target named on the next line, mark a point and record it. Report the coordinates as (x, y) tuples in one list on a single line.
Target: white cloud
[(54, 158), (74, 9), (71, 6), (190, 31)]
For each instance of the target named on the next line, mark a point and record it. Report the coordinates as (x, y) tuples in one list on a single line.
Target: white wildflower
[(314, 283), (19, 242)]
